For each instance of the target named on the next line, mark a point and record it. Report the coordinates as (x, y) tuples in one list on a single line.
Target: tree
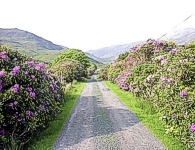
[(74, 54)]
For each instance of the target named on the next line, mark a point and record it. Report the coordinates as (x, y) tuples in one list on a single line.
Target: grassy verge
[(146, 113), (46, 139)]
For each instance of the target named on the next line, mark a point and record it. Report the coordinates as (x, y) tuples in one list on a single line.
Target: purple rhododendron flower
[(32, 94), (15, 88), (16, 68), (16, 115), (41, 64), (4, 57), (13, 73), (137, 90), (28, 112), (170, 80), (11, 104), (28, 62), (32, 76), (175, 115), (163, 78), (25, 72), (52, 88), (29, 89), (43, 107), (192, 127), (3, 53), (2, 132), (2, 73), (15, 59), (189, 100), (183, 93), (149, 78), (32, 114), (37, 67)]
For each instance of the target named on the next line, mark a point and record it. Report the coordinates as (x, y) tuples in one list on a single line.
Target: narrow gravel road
[(99, 121)]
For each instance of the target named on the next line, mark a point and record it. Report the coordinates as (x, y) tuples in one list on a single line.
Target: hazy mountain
[(109, 53), (33, 45), (20, 39), (181, 36), (102, 60)]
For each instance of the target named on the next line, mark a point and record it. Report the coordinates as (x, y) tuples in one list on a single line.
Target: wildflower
[(32, 76), (2, 73), (15, 59), (183, 93), (192, 127)]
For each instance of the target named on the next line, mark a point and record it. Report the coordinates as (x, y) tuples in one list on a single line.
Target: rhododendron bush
[(29, 98), (164, 73), (68, 70)]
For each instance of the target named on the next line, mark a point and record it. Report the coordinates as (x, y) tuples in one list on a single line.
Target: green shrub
[(29, 98)]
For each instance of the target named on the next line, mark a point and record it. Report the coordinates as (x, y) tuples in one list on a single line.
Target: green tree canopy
[(74, 54)]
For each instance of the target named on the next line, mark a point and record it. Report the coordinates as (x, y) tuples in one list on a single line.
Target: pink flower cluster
[(2, 55), (166, 79)]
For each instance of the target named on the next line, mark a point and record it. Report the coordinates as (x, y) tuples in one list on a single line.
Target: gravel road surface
[(99, 121)]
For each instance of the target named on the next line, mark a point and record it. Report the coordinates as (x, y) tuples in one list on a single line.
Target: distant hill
[(20, 39), (102, 60), (181, 36), (111, 52), (33, 45)]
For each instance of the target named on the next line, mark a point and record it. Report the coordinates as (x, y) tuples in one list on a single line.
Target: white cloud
[(91, 24)]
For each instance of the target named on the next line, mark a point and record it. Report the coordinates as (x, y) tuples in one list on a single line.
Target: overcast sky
[(92, 24)]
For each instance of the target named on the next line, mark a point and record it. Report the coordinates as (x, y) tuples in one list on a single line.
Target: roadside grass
[(46, 139), (146, 114)]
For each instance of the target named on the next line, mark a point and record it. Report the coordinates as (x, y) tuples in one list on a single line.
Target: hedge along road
[(99, 121)]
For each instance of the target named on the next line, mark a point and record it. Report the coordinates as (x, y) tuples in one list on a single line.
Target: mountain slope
[(181, 36), (109, 53), (33, 45), (20, 39)]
